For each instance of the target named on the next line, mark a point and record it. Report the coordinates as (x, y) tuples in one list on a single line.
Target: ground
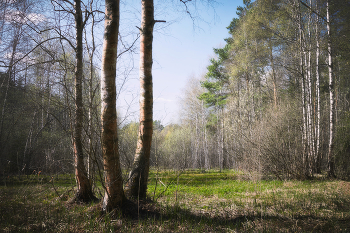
[(187, 201)]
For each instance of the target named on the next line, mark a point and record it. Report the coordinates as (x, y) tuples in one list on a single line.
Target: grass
[(188, 201)]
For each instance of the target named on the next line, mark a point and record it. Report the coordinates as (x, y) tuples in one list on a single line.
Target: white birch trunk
[(318, 118), (331, 171), (304, 137), (309, 101)]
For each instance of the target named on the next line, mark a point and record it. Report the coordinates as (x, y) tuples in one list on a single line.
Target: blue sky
[(181, 49)]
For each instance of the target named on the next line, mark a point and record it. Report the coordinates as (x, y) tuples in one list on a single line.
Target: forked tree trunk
[(331, 172), (138, 177), (84, 192), (114, 194)]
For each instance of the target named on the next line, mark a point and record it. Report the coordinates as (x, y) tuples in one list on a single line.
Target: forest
[(262, 143)]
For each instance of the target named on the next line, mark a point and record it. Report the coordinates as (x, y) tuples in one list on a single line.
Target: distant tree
[(195, 117), (216, 84), (127, 145), (157, 125)]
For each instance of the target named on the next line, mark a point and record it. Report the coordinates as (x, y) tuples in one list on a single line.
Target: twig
[(54, 186), (155, 188), (166, 188)]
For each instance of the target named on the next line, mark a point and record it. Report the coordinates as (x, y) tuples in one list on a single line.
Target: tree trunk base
[(81, 197), (133, 209), (331, 175)]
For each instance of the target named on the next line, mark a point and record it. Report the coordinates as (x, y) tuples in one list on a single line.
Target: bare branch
[(62, 37), (38, 45), (68, 2), (313, 11), (185, 3), (63, 8), (159, 21), (129, 48)]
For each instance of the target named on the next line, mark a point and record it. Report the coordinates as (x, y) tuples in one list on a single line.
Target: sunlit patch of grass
[(224, 184)]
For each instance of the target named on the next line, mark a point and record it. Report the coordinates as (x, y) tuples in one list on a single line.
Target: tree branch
[(38, 45), (132, 45), (63, 8), (312, 10), (64, 38), (159, 21)]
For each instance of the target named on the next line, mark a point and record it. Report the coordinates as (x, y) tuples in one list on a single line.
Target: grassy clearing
[(189, 201)]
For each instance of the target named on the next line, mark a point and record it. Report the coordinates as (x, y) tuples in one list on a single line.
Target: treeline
[(275, 99), (37, 116), (38, 87)]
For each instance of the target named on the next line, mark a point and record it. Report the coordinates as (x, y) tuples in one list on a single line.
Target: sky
[(181, 49)]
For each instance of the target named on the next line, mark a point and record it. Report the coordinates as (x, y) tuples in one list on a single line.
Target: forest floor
[(187, 201)]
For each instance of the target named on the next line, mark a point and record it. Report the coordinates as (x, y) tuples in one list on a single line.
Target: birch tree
[(318, 97), (138, 177), (84, 192), (330, 165), (114, 194)]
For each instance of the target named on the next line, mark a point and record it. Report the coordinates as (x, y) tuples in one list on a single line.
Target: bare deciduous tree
[(138, 178), (84, 192), (114, 194)]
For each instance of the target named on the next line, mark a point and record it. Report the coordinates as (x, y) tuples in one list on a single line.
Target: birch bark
[(138, 177), (318, 118), (84, 192), (330, 165), (114, 195)]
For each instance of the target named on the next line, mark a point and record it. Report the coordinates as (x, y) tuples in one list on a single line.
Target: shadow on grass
[(28, 214), (181, 219)]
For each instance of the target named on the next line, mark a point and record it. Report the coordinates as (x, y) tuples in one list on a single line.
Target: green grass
[(226, 184), (188, 201)]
